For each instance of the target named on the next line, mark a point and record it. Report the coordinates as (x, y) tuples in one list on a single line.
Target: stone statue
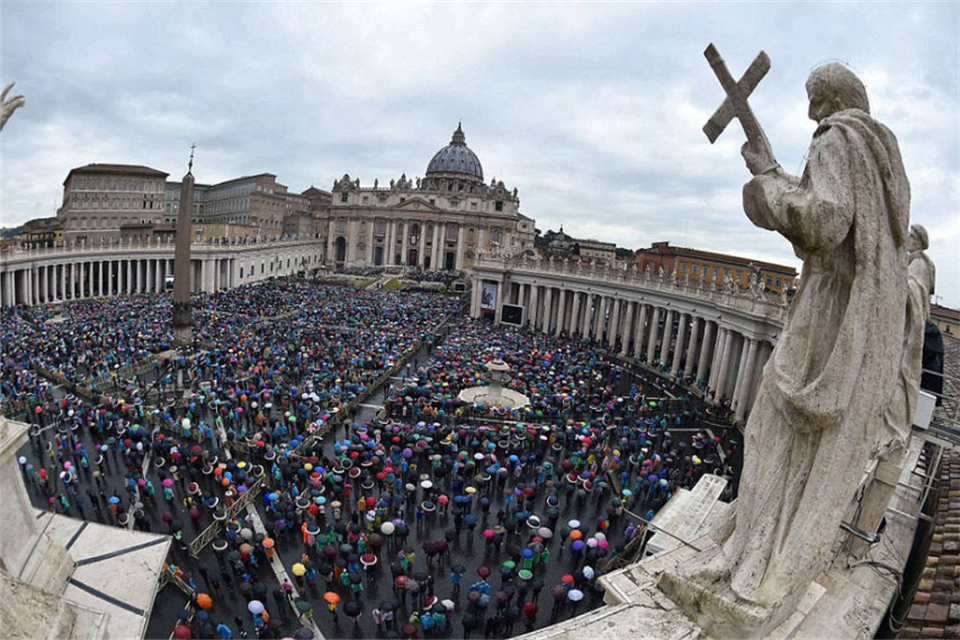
[(8, 106), (376, 183), (660, 273), (891, 445), (824, 392), (418, 182)]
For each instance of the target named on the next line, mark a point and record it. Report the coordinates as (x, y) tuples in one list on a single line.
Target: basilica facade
[(442, 221)]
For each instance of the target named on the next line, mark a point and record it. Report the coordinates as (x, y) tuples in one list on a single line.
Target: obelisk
[(182, 330)]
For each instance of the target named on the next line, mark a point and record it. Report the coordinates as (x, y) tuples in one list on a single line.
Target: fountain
[(494, 394)]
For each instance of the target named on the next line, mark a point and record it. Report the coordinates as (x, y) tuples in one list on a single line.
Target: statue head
[(919, 240), (833, 87)]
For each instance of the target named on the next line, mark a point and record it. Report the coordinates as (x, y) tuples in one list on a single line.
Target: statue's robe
[(826, 386)]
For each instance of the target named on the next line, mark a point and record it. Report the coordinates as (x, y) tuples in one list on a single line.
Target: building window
[(778, 282), (716, 272), (498, 205), (769, 282), (344, 196), (683, 267)]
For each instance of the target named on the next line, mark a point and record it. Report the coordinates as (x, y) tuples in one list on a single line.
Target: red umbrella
[(401, 580), (182, 632), (484, 572), (567, 579)]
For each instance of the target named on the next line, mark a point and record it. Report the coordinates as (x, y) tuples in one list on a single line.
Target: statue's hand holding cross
[(756, 151)]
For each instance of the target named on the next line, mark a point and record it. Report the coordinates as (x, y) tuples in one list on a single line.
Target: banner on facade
[(488, 297)]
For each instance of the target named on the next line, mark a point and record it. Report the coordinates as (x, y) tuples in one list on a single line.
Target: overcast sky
[(594, 111)]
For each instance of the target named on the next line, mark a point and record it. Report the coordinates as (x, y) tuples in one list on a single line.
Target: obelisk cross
[(735, 105)]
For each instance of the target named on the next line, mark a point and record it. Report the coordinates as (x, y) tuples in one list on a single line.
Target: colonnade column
[(725, 359), (561, 310), (743, 402), (631, 308), (717, 358), (575, 319), (692, 348), (705, 348), (614, 324), (547, 309), (652, 339), (640, 332), (741, 370), (678, 351), (667, 335)]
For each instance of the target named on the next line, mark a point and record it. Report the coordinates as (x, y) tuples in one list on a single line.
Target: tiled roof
[(935, 612)]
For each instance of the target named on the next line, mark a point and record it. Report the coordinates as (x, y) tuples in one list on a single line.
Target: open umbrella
[(353, 608), (182, 632), (303, 633), (332, 597), (575, 595), (255, 607)]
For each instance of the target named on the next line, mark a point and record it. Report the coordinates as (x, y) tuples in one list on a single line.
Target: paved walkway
[(282, 575)]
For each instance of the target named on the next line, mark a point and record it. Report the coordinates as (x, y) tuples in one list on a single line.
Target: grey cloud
[(592, 110)]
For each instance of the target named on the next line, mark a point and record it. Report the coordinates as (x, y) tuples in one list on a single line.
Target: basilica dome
[(456, 160)]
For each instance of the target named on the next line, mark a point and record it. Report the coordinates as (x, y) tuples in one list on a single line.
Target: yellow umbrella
[(299, 569)]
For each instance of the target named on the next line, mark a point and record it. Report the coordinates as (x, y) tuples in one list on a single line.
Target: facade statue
[(376, 183), (822, 398)]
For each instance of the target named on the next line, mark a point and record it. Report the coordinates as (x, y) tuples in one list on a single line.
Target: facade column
[(404, 243), (461, 241), (631, 309), (42, 284), (435, 246), (392, 243), (667, 336), (725, 360), (475, 298), (110, 277), (62, 295), (652, 339), (533, 309), (681, 343), (421, 257), (614, 324), (692, 348), (640, 331), (128, 285)]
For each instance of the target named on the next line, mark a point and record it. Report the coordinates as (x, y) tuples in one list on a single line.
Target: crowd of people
[(429, 518)]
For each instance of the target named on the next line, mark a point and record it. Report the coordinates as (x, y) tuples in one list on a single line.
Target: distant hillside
[(9, 232)]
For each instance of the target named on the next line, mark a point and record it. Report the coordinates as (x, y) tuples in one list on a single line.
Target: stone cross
[(735, 105)]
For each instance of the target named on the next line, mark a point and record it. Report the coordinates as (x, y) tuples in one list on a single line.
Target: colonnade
[(43, 276), (718, 349)]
